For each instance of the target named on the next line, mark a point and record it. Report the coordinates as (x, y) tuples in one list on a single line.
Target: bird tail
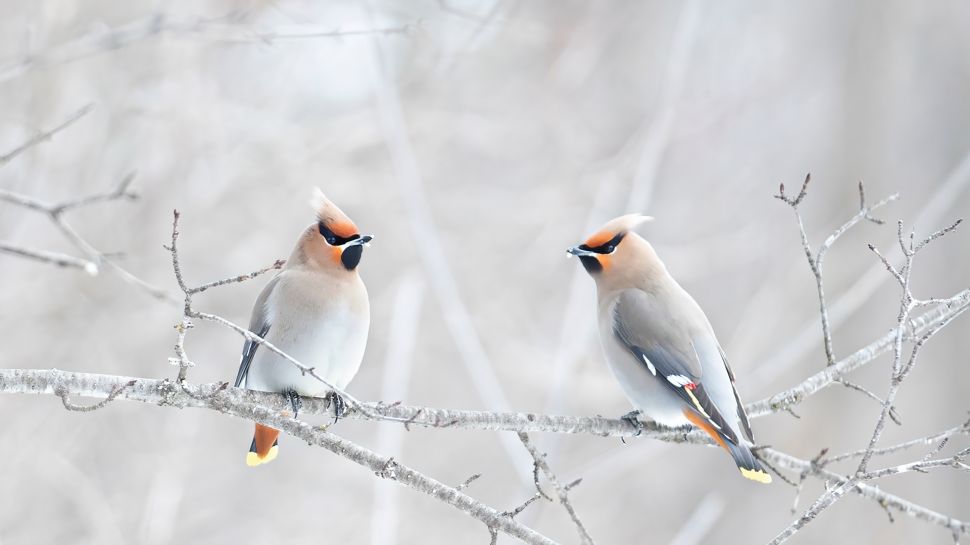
[(750, 467), (265, 446)]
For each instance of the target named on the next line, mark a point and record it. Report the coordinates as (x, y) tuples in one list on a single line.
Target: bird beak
[(362, 241), (577, 251)]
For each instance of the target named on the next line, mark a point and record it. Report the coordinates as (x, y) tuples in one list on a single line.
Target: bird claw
[(295, 402), (338, 404), (633, 419)]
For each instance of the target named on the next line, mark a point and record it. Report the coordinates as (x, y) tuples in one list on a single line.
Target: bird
[(316, 310), (660, 345)]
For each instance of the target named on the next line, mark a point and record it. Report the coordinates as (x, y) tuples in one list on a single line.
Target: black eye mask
[(607, 247), (331, 238)]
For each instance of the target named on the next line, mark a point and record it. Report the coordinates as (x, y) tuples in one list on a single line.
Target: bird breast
[(322, 325)]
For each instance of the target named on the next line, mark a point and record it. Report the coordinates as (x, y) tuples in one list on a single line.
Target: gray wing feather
[(742, 414), (259, 323), (661, 343)]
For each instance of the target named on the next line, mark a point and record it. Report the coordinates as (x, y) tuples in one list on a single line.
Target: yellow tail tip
[(253, 459), (758, 475)]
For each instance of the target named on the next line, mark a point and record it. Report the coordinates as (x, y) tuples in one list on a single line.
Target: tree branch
[(884, 499), (45, 136), (562, 491), (52, 258), (942, 314), (95, 258), (899, 373), (815, 259), (264, 404), (231, 28), (240, 403)]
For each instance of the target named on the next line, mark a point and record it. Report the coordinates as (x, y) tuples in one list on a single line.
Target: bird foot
[(338, 404), (295, 402), (633, 418)]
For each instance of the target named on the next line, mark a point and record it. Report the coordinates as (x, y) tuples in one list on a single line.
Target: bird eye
[(610, 248), (327, 234)]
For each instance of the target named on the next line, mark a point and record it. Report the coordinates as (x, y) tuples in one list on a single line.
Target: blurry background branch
[(94, 259), (46, 135), (231, 28)]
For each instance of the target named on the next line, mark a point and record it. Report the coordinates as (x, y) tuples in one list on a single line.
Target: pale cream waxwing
[(660, 345), (316, 310)]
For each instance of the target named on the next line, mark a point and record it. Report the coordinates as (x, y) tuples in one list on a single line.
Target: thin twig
[(853, 386), (95, 258), (824, 501), (46, 135), (942, 314), (468, 481), (900, 372), (562, 492), (964, 429), (277, 265), (816, 258), (65, 399), (230, 28), (52, 258)]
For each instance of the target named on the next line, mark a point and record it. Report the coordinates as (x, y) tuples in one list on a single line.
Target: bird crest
[(332, 216), (616, 226)]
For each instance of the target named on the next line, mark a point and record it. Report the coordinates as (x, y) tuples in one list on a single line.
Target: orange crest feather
[(332, 216)]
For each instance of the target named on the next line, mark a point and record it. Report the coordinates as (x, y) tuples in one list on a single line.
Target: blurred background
[(476, 140)]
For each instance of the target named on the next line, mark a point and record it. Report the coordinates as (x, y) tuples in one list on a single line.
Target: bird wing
[(742, 414), (662, 343), (259, 323)]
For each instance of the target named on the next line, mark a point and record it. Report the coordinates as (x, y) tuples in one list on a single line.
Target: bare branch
[(940, 315), (823, 502), (166, 392), (65, 399), (956, 462), (899, 373), (795, 201), (95, 258), (230, 28), (882, 498), (963, 429), (852, 386), (468, 481), (45, 136), (815, 261), (53, 258), (562, 492), (277, 265), (922, 244), (243, 404), (906, 306)]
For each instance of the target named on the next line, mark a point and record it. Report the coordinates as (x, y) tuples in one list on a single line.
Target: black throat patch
[(351, 256), (591, 264)]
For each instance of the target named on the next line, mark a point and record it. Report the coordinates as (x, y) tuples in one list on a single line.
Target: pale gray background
[(530, 123)]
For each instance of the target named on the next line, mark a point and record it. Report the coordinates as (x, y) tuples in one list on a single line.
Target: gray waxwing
[(660, 345), (316, 310)]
